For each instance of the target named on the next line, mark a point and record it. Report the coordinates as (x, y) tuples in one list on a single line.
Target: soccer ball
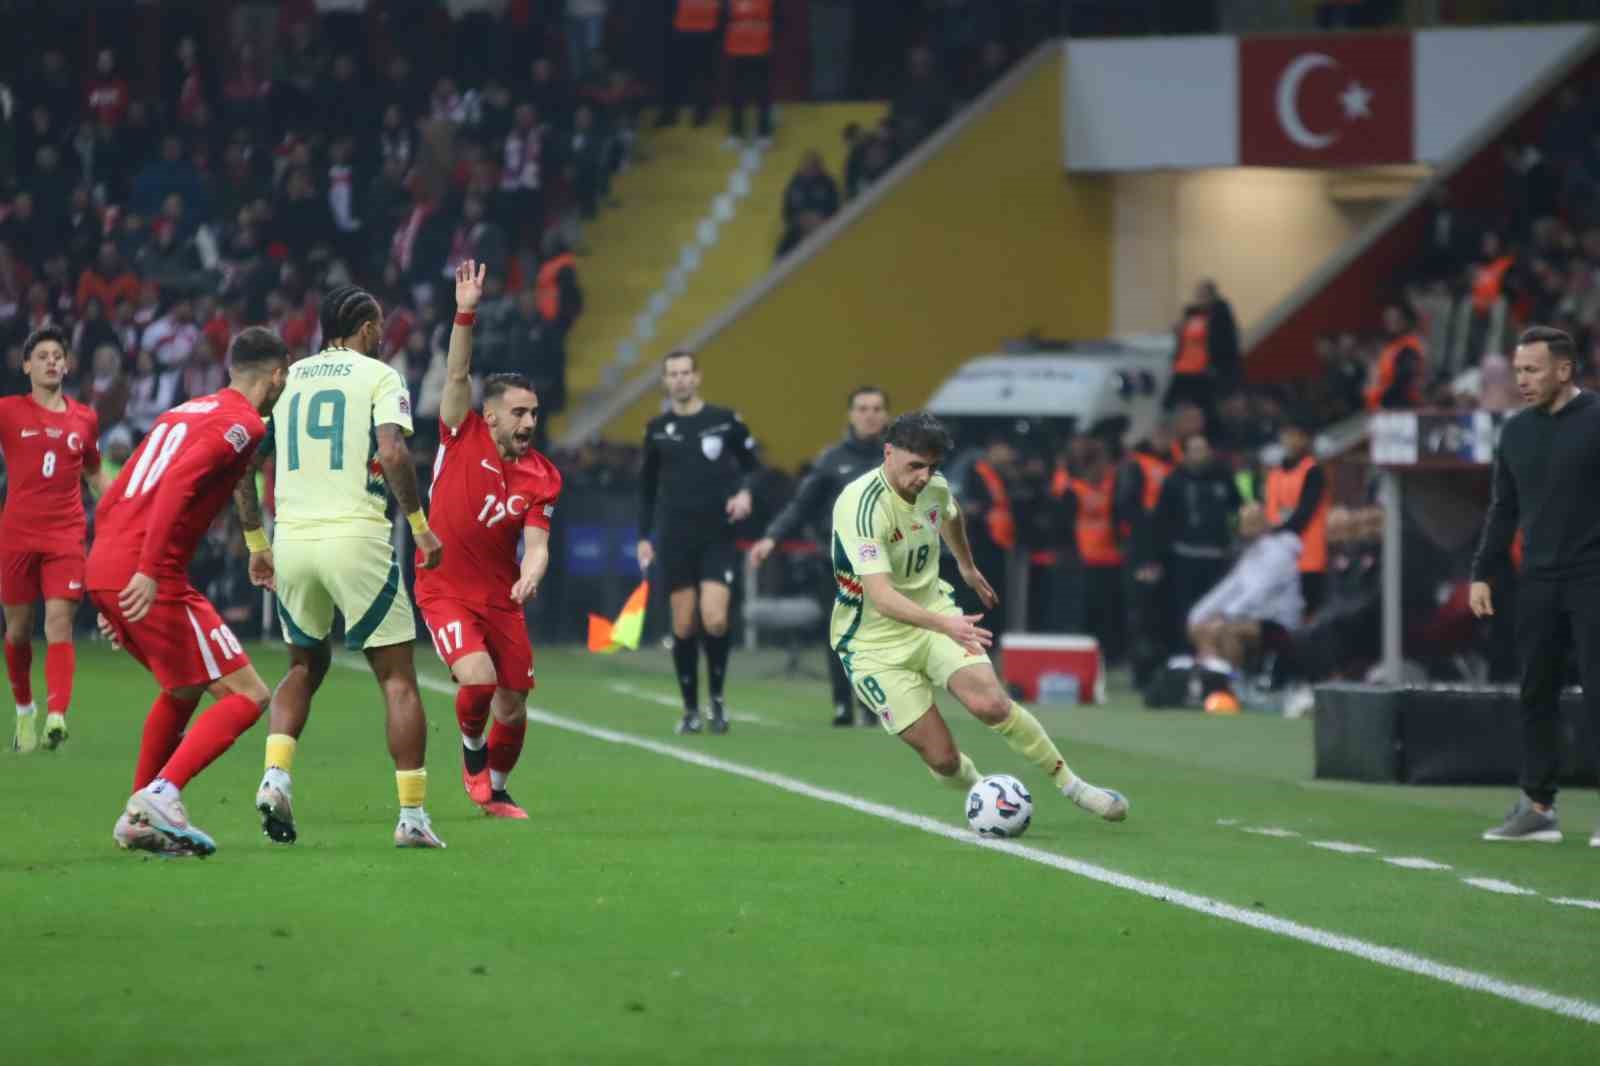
[(999, 806)]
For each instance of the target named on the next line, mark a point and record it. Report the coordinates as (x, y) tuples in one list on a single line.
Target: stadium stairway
[(977, 236), (635, 268)]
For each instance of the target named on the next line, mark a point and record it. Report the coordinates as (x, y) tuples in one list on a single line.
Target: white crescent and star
[(1356, 100)]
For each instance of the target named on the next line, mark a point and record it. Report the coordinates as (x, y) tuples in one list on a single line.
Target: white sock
[(276, 777), (497, 780), (476, 743), (164, 788), (23, 710), (413, 814)]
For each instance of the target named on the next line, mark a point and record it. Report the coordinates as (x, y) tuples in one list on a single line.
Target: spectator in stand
[(171, 339), (172, 263), (691, 60), (559, 298), (524, 348), (24, 232), (495, 111), (522, 180), (301, 218), (107, 387), (923, 102), (152, 391), (586, 163), (109, 280), (1193, 525), (172, 173), (1400, 373), (54, 88), (129, 333), (92, 333), (747, 41), (586, 31), (189, 85), (477, 238), (1344, 378), (551, 97), (811, 198), (299, 66), (346, 108), (1206, 366), (106, 97), (342, 195), (1449, 238), (1092, 479)]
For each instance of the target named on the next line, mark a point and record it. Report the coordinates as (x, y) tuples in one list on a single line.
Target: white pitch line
[(1589, 904), (1393, 958), (1342, 847), (1504, 888), (1272, 831), (624, 689), (1413, 862)]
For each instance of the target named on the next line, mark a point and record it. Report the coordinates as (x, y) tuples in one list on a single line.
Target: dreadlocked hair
[(345, 310)]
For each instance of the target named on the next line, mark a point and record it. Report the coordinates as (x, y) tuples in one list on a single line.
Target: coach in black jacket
[(836, 467), (1545, 469)]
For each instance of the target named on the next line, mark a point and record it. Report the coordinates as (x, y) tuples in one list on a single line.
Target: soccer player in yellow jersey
[(339, 435), (897, 629)]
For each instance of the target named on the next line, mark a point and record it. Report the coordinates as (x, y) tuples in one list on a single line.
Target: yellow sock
[(964, 778), (280, 751), (412, 786), (1027, 738)]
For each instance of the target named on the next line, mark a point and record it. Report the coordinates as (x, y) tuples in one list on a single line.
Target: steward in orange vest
[(1398, 375), (692, 64), (1207, 356), (747, 42), (1297, 501), (1093, 482), (1139, 481), (697, 16)]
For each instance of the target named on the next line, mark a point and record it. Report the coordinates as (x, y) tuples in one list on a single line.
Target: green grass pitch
[(655, 911)]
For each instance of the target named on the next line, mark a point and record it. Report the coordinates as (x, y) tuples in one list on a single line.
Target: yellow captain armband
[(419, 522), (256, 540)]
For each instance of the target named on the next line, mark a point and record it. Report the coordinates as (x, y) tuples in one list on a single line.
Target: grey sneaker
[(1526, 822)]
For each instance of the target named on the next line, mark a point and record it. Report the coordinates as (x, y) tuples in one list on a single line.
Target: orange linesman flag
[(606, 637)]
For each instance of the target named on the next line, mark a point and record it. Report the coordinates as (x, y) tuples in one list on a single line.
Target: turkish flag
[(1325, 100)]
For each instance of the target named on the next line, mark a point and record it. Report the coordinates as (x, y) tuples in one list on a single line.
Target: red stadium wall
[(1353, 299)]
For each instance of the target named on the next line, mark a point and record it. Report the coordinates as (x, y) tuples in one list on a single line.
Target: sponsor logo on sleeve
[(549, 510), (405, 404), (238, 437), (867, 552)]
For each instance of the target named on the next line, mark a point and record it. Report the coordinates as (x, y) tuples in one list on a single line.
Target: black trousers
[(1103, 613), (1191, 579), (1149, 625), (1554, 619), (691, 75), (752, 84)]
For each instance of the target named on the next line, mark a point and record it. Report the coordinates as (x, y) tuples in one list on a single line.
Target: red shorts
[(459, 629), (26, 576), (183, 641)]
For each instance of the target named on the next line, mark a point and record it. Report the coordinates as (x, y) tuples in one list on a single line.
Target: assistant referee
[(1545, 473)]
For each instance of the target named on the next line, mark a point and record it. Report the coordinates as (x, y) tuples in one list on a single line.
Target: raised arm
[(401, 474), (456, 399)]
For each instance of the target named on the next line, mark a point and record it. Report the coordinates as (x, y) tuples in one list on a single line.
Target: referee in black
[(1546, 471), (699, 463), (859, 451)]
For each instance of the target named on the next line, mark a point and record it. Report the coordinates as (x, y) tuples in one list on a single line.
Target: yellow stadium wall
[(988, 239)]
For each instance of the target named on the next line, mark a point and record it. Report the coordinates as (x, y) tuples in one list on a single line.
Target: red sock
[(223, 723), (505, 745), (472, 708), (163, 729), (60, 660), (19, 668)]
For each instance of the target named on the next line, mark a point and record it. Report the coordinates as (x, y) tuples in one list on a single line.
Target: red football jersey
[(478, 506), (168, 494), (46, 454)]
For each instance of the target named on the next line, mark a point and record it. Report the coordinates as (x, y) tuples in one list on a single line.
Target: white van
[(1040, 391)]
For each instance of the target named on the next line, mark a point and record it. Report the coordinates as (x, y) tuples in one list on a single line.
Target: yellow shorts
[(358, 576), (898, 681)]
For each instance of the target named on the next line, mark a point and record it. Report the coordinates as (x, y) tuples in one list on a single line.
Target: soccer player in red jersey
[(50, 443), (147, 527), (490, 489)]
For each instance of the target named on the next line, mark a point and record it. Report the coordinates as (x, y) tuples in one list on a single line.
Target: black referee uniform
[(1546, 469), (692, 465), (813, 500)]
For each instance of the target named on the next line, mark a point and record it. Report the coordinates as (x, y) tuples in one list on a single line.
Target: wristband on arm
[(256, 540), (419, 522)]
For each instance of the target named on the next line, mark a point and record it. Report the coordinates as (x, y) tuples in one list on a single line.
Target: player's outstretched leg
[(408, 742), (242, 696), (291, 705), (60, 663), (505, 747), (714, 599), (949, 765), (980, 691), (19, 670)]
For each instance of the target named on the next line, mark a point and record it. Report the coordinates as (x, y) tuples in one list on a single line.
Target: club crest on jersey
[(712, 447), (238, 437), (405, 404), (933, 517)]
